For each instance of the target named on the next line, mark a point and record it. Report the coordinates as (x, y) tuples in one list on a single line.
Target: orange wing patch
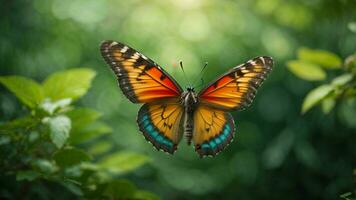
[(160, 124), (140, 79), (237, 88), (213, 130)]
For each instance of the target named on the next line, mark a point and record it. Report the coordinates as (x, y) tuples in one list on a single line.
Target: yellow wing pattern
[(213, 130), (160, 124)]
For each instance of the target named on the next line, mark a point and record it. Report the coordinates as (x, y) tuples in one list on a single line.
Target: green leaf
[(145, 195), (71, 156), (342, 80), (51, 107), (306, 71), (19, 123), (72, 84), (81, 117), (277, 152), (315, 96), (120, 189), (89, 132), (84, 126), (73, 188), (26, 90), (28, 175), (350, 63), (320, 57), (44, 166), (59, 129), (100, 147), (327, 105), (123, 162), (352, 26), (346, 196)]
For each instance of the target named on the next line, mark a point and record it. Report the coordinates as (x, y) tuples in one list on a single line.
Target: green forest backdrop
[(66, 131)]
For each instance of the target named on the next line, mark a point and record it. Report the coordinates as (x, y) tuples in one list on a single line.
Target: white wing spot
[(263, 61), (124, 49), (113, 43), (135, 56), (144, 57)]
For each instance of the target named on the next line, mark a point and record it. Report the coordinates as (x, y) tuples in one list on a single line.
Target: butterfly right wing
[(213, 130), (160, 123), (236, 89), (140, 79)]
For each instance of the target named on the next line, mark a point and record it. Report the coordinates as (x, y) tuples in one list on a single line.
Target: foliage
[(309, 66), (340, 88), (43, 145)]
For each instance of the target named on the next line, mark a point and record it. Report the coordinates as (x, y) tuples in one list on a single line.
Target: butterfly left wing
[(236, 89), (140, 79), (160, 123), (213, 130)]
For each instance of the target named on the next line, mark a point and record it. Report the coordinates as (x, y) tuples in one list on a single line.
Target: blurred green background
[(278, 153)]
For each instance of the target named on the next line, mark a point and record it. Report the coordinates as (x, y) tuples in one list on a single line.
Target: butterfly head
[(190, 89)]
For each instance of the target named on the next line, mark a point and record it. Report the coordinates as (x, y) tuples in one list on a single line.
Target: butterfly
[(169, 112)]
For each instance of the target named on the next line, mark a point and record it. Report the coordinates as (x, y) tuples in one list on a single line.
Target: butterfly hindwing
[(236, 89), (213, 130), (140, 79), (160, 124)]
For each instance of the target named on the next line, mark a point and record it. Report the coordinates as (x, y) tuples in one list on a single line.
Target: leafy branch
[(312, 65), (44, 144)]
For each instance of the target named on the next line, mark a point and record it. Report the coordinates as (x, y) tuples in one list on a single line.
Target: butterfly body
[(190, 102), (169, 112)]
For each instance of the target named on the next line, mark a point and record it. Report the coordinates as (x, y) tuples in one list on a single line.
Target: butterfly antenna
[(185, 75), (201, 75)]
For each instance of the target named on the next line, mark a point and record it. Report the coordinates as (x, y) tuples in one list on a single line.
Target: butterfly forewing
[(236, 89), (140, 79)]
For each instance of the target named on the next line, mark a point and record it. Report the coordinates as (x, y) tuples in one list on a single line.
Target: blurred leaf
[(100, 147), (352, 26), (347, 196), (327, 105), (145, 195), (347, 112), (120, 189), (307, 155), (27, 90), (123, 162), (306, 71), (28, 175), (4, 140), (50, 107), (342, 80), (23, 122), (72, 84), (315, 96), (59, 129), (89, 132), (81, 117), (71, 156), (350, 63), (277, 151), (320, 57), (44, 166), (73, 188)]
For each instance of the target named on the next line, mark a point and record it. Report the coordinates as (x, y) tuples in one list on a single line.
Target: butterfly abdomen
[(188, 129), (190, 102)]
